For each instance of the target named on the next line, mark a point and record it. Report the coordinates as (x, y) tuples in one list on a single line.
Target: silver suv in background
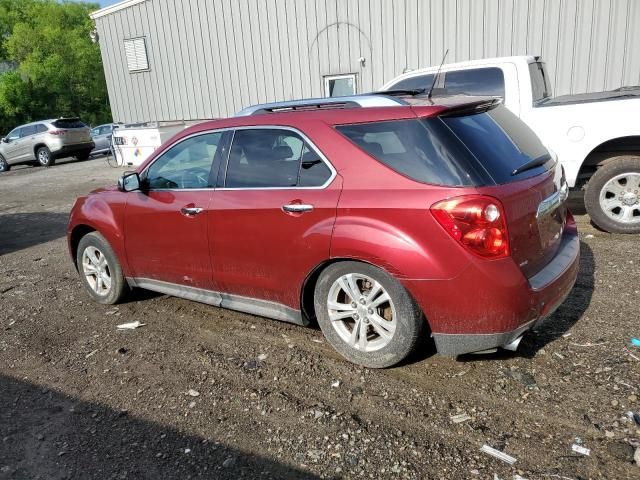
[(44, 141)]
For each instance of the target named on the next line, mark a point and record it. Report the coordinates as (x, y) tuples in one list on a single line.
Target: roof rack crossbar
[(353, 101)]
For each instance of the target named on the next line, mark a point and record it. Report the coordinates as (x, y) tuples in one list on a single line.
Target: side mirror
[(5, 140), (129, 182)]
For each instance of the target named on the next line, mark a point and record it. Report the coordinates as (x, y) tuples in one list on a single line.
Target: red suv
[(383, 217)]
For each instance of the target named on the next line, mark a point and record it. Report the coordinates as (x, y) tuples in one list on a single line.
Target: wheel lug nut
[(362, 301), (370, 311), (354, 304), (356, 316)]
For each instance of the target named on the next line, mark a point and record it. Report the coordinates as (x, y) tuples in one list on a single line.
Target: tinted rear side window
[(477, 81), (500, 141), (540, 88), (68, 123), (414, 83), (423, 150)]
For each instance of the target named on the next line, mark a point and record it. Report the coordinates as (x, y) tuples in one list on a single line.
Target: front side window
[(272, 158), (185, 165), (105, 130), (477, 81), (14, 134)]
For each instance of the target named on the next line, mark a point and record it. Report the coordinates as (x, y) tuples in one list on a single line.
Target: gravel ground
[(201, 392)]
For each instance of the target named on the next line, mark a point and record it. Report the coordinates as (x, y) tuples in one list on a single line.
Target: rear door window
[(414, 83), (28, 131), (423, 150), (41, 128), (501, 142), (273, 158), (477, 81)]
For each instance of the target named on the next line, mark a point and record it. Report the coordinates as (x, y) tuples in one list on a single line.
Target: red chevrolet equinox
[(384, 218)]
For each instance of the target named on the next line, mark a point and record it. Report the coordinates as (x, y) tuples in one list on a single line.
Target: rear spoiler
[(478, 106)]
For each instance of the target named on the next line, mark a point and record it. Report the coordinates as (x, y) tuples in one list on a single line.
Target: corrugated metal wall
[(210, 58)]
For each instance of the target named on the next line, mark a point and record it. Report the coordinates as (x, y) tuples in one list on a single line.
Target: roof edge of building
[(114, 8)]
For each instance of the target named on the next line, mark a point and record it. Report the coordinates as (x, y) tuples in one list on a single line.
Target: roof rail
[(310, 104)]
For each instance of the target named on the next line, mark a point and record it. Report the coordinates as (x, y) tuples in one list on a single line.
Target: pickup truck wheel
[(367, 315), (99, 269), (4, 165), (44, 157), (612, 196)]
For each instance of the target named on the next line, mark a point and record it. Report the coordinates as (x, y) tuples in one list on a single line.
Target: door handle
[(297, 208), (190, 211)]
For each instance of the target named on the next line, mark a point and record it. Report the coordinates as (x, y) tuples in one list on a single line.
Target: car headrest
[(282, 152)]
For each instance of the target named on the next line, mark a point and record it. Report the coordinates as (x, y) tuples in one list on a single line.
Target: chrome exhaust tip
[(513, 345)]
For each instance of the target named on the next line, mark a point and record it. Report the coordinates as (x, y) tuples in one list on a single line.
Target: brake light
[(57, 132), (477, 222)]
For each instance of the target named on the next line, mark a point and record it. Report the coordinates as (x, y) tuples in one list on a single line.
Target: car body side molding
[(254, 306)]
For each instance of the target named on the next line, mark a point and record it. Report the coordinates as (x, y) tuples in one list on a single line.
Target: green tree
[(58, 70)]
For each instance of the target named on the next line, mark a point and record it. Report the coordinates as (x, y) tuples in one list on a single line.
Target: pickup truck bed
[(617, 94)]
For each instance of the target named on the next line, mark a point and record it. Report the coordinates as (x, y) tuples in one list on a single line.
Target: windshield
[(540, 88)]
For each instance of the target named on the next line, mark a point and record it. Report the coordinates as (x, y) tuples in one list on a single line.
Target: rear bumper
[(491, 304), (70, 150)]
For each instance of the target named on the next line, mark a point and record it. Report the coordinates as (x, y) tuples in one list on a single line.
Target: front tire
[(44, 157), (4, 165), (612, 196), (100, 271), (367, 315)]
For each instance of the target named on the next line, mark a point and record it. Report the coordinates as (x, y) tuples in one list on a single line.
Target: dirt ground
[(201, 392)]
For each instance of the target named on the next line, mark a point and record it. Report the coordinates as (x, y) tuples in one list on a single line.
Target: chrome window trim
[(304, 137)]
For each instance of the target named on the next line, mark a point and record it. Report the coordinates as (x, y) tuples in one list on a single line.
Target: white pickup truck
[(595, 135)]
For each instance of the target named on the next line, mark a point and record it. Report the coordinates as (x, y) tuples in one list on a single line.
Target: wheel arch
[(38, 146), (604, 153), (308, 286), (78, 232)]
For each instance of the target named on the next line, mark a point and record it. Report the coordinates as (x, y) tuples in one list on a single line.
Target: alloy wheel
[(620, 198), (43, 157), (362, 312), (96, 270)]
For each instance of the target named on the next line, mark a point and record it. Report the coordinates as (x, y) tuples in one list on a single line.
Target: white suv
[(44, 141)]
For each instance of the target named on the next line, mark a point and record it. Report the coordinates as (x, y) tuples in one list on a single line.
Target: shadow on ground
[(49, 435), (24, 230)]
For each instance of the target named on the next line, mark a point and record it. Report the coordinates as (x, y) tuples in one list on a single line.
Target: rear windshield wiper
[(533, 163)]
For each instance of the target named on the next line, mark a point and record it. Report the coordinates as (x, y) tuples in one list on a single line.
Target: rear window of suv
[(68, 123), (463, 150), (501, 142)]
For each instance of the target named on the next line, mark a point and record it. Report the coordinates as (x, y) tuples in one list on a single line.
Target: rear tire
[(44, 157), (4, 165), (99, 269), (368, 330), (612, 196)]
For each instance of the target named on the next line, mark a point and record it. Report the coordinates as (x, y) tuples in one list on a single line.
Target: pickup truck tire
[(354, 298), (612, 196), (4, 165)]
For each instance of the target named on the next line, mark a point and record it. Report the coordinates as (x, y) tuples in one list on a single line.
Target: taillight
[(477, 222), (57, 132)]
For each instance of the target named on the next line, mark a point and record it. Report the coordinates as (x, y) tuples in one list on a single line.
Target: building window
[(340, 85), (136, 52)]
